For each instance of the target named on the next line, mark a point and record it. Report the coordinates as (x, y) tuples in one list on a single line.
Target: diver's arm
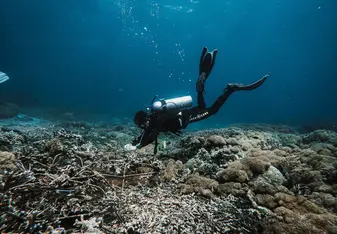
[(137, 143), (136, 140), (147, 137), (134, 143)]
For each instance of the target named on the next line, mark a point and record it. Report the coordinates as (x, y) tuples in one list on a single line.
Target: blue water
[(112, 57)]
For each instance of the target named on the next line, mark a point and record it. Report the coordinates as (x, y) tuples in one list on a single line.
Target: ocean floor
[(70, 176)]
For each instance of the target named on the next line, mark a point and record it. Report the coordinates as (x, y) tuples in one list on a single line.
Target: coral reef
[(76, 176)]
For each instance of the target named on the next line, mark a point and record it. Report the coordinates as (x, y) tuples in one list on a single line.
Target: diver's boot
[(238, 87)]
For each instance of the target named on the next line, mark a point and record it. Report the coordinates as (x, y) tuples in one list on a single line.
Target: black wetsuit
[(164, 122)]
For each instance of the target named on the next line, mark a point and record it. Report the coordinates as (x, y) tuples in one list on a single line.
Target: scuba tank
[(170, 106)]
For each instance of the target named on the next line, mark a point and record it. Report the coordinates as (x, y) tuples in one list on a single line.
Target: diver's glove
[(238, 87)]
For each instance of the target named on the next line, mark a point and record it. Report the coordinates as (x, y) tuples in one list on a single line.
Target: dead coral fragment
[(7, 161), (260, 185), (255, 165), (298, 203), (241, 171), (232, 175), (232, 141), (171, 171), (293, 222), (198, 184), (266, 200), (274, 176), (216, 140), (54, 146), (232, 188)]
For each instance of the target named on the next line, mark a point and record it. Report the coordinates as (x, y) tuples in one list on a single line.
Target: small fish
[(3, 77)]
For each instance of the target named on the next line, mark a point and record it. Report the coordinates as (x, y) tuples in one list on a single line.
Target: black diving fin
[(207, 60), (256, 84)]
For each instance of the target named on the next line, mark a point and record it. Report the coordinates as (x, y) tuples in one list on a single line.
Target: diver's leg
[(200, 86), (201, 100), (231, 88), (207, 60), (220, 101), (198, 115)]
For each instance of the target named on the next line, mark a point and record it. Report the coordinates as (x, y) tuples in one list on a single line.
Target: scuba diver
[(175, 114)]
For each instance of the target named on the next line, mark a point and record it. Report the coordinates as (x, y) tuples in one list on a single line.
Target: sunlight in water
[(141, 19)]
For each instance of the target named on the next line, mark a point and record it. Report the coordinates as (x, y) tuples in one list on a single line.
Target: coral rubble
[(242, 179)]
